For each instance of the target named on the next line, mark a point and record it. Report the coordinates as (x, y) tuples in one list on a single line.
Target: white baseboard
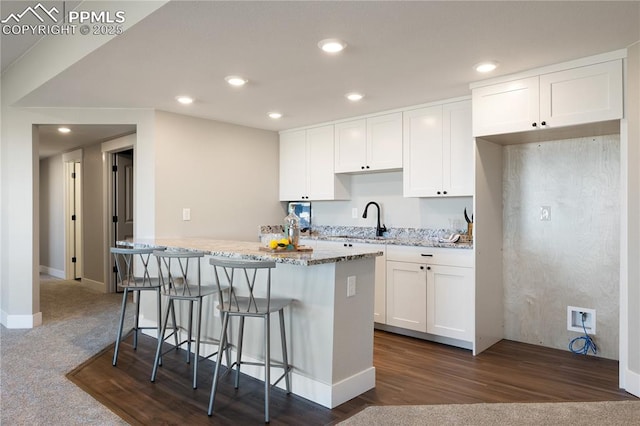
[(21, 321), (52, 271), (327, 395), (96, 285)]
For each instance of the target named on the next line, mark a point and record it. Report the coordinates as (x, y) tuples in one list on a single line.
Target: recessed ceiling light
[(64, 129), (185, 100), (486, 66), (353, 96), (332, 45), (235, 80), (275, 115)]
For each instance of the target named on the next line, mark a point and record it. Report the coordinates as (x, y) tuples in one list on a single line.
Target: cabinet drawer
[(431, 255)]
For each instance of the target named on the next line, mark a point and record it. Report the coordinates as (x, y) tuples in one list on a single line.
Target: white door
[(422, 152), (450, 302), (384, 142), (321, 179), (506, 107), (350, 146), (582, 95), (457, 150), (407, 295), (76, 219), (293, 166)]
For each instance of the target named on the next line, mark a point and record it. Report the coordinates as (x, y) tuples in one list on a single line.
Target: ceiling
[(53, 142), (399, 53)]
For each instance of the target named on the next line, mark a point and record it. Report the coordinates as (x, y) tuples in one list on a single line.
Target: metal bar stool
[(241, 301), (125, 259), (173, 267)]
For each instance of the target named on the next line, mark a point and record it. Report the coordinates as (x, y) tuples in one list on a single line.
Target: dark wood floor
[(408, 371)]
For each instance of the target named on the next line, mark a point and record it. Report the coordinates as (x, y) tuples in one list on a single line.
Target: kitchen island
[(330, 334)]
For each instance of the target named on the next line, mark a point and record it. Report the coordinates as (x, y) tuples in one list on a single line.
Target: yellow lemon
[(273, 244), (284, 242)]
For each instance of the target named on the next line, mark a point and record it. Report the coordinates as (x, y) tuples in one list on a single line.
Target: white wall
[(226, 174), (52, 214), (397, 211), (571, 260)]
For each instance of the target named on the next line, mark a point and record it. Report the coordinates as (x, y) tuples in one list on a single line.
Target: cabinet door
[(422, 152), (407, 295), (320, 163), (582, 95), (450, 302), (506, 107), (350, 146), (293, 166), (384, 142), (458, 150)]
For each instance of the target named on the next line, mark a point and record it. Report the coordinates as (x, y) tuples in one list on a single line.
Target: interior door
[(76, 219), (123, 195)]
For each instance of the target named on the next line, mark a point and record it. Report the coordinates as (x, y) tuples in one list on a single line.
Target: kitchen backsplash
[(365, 232)]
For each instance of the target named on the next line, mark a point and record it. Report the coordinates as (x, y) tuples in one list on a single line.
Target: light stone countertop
[(391, 241), (251, 250)]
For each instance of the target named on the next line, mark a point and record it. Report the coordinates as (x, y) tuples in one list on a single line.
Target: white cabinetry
[(438, 151), (379, 308), (569, 97), (306, 166), (431, 290), (370, 144), (450, 301), (407, 295)]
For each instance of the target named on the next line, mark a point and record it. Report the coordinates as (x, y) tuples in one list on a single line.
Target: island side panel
[(353, 371)]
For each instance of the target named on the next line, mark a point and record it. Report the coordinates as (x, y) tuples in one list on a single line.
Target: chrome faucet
[(379, 229)]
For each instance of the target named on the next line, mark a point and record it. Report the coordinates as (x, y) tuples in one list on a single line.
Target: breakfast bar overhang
[(330, 334)]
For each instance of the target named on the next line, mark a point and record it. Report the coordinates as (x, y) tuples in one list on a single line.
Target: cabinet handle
[(534, 124), (367, 167), (444, 192), (544, 123), (438, 192), (426, 255), (362, 167), (422, 267), (428, 268)]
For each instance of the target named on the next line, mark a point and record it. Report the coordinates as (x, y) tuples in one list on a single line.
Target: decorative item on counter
[(469, 224), (292, 227)]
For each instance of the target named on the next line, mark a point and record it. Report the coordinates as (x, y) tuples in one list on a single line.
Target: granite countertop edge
[(249, 251)]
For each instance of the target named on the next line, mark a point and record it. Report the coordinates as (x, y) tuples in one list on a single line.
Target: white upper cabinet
[(370, 144), (580, 95), (506, 107), (438, 151), (306, 166)]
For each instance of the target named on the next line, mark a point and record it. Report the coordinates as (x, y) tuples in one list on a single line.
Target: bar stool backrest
[(125, 259), (240, 275), (173, 268)]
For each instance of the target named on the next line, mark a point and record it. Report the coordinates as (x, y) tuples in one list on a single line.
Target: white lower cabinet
[(450, 301), (431, 290), (407, 295)]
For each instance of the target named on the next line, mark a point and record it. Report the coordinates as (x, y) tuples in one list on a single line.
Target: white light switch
[(186, 214)]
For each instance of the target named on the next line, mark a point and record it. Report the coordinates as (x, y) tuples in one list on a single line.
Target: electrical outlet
[(545, 213), (574, 320), (186, 214), (354, 213), (351, 286)]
